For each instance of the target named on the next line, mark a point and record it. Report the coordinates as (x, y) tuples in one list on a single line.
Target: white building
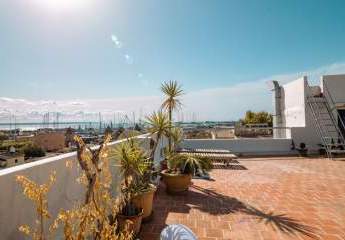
[(301, 115), (313, 115)]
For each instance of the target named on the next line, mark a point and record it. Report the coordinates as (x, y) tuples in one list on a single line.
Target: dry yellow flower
[(85, 221), (25, 229), (69, 164)]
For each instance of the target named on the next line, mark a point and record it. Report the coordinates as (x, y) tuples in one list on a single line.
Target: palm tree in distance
[(172, 91)]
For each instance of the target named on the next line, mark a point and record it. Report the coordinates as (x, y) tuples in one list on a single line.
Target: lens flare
[(63, 4)]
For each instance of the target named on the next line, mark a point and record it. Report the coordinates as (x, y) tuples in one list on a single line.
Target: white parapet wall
[(296, 118), (16, 210), (244, 146)]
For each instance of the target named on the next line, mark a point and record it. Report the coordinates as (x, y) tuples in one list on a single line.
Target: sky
[(81, 57)]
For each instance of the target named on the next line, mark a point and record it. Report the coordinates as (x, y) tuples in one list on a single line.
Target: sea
[(31, 126)]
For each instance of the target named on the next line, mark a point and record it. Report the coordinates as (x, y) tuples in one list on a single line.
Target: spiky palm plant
[(188, 163), (133, 162), (176, 135), (132, 159), (158, 123), (172, 91)]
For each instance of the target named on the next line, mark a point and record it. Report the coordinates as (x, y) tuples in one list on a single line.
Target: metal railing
[(333, 107), (326, 102)]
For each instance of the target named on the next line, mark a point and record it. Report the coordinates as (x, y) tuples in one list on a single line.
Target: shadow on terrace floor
[(209, 201), (226, 205)]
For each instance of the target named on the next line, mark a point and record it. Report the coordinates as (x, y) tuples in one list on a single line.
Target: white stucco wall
[(336, 87), (244, 146), (16, 210), (296, 114), (293, 103)]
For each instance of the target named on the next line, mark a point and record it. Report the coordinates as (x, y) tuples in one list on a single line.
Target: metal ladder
[(324, 111)]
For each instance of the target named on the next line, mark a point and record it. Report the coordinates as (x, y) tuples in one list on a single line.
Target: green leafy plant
[(172, 91), (158, 126), (176, 136), (132, 161), (32, 150), (186, 163), (257, 118)]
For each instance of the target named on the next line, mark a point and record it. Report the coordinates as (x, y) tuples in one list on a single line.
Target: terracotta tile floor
[(267, 198)]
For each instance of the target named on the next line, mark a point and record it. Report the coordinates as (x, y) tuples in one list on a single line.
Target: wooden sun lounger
[(217, 155)]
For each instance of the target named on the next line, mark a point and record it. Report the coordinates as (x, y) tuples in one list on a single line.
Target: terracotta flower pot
[(176, 183), (132, 223), (144, 200)]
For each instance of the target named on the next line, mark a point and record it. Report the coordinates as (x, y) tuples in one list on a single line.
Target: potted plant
[(143, 173), (145, 191), (131, 158), (130, 218), (181, 168)]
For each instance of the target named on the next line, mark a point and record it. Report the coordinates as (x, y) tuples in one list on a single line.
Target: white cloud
[(225, 103), (116, 41)]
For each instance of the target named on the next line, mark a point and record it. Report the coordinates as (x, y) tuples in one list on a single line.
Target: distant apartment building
[(50, 141), (24, 138)]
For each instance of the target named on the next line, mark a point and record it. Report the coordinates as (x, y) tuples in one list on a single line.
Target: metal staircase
[(325, 117)]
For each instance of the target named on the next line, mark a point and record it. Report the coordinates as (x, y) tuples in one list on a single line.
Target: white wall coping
[(234, 139)]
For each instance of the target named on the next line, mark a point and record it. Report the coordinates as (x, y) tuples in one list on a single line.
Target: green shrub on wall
[(31, 151)]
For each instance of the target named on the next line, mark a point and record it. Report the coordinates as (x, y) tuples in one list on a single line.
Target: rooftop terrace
[(260, 198)]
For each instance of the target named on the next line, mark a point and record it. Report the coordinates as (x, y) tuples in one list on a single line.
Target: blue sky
[(120, 49)]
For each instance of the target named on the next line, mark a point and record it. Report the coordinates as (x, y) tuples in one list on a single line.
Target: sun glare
[(64, 4)]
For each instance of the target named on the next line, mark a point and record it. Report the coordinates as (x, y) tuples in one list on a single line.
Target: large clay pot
[(132, 223), (176, 183), (144, 200)]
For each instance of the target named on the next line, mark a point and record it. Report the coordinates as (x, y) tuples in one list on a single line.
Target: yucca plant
[(176, 135), (172, 91), (139, 174), (184, 163), (132, 165), (127, 134), (158, 125), (195, 164)]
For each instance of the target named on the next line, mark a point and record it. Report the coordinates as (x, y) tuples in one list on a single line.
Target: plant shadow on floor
[(222, 204), (209, 201)]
